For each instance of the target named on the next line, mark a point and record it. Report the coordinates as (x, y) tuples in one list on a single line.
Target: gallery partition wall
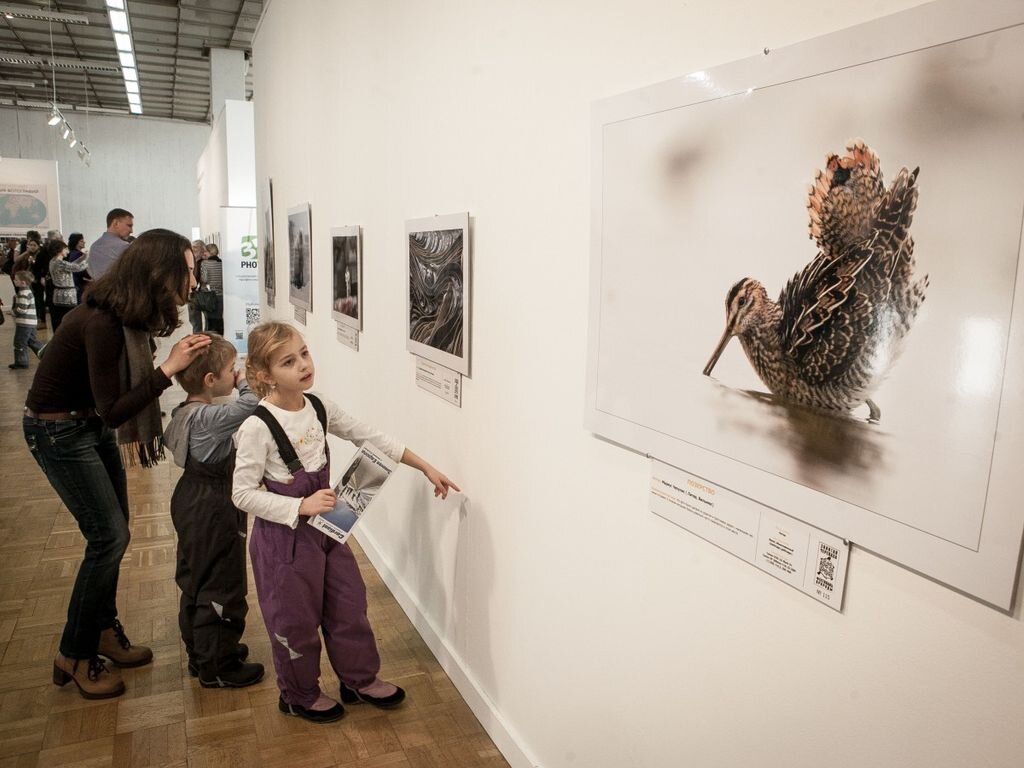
[(582, 629)]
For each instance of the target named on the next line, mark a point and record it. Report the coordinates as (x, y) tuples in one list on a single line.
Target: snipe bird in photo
[(836, 328)]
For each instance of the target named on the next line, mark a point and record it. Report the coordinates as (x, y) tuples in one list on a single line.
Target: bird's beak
[(718, 351)]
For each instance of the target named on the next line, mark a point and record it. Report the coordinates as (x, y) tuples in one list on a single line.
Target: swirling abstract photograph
[(436, 312)]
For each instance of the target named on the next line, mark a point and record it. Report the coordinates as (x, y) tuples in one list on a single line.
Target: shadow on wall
[(448, 564)]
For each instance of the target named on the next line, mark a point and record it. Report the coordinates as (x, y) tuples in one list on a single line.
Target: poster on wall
[(438, 299), (269, 267), (29, 196), (239, 253), (803, 281), (347, 271), (300, 257)]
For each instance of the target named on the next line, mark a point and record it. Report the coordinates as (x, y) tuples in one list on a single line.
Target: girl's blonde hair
[(264, 340)]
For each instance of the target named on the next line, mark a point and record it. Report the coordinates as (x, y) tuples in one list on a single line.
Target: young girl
[(306, 580)]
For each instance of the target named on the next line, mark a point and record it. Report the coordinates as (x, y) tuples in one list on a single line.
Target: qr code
[(828, 558), (252, 316)]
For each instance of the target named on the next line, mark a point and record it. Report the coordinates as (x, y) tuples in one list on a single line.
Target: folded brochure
[(360, 483)]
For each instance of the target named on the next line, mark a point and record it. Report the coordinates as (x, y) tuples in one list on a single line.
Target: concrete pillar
[(227, 78)]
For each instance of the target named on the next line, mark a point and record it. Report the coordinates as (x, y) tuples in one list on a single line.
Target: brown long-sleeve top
[(81, 369)]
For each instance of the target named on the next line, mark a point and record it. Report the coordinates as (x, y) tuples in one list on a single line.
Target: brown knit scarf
[(139, 438)]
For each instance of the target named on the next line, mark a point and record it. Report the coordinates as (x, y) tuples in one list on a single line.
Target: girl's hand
[(320, 502), (183, 353), (441, 483)]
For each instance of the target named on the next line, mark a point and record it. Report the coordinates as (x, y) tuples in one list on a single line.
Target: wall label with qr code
[(801, 555)]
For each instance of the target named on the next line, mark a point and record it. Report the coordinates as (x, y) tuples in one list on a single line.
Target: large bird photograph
[(814, 280)]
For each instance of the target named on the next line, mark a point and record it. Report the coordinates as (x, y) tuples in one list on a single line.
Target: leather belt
[(87, 413)]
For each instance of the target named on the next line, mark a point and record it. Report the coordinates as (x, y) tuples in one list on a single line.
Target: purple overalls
[(306, 580)]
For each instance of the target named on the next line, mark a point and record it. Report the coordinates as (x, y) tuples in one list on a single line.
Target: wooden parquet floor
[(166, 719)]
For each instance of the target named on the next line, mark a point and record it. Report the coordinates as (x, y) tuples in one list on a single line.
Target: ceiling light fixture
[(115, 4), (118, 21), (67, 131), (123, 41), (130, 73), (127, 59), (74, 141), (54, 117), (20, 12), (131, 87)]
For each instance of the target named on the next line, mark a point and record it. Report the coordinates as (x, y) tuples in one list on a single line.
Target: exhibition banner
[(239, 254)]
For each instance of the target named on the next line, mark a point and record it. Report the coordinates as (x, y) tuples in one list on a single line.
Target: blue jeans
[(81, 460), (25, 337)]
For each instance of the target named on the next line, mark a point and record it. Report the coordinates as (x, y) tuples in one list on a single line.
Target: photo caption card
[(807, 558), (439, 381)]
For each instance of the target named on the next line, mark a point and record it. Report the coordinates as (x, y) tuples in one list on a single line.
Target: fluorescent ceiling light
[(119, 21), (131, 87), (123, 41), (115, 4), (135, 108), (67, 131), (74, 141), (130, 74), (127, 59)]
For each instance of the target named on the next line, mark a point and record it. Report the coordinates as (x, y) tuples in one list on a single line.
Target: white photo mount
[(982, 563), (300, 256), (438, 286), (346, 241)]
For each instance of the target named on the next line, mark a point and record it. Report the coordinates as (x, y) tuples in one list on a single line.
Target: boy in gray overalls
[(211, 530)]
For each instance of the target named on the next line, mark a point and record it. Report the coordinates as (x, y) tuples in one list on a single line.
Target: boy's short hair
[(23, 276), (217, 354)]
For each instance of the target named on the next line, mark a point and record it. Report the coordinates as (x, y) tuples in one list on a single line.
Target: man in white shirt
[(105, 251)]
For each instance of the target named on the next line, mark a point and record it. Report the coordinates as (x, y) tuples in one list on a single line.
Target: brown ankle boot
[(92, 677), (116, 647)]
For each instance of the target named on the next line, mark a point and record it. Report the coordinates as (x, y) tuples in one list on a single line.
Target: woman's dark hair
[(74, 240), (147, 283), (54, 247)]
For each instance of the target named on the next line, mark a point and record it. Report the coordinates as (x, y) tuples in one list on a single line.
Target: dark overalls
[(306, 580), (211, 564)]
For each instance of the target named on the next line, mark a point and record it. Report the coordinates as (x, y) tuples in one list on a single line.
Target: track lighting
[(67, 131), (54, 117)]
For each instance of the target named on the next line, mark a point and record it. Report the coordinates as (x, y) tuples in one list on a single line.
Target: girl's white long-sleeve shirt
[(257, 455)]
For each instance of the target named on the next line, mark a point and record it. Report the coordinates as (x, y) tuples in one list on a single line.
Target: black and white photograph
[(269, 273), (804, 280), (300, 257), (347, 271), (439, 280)]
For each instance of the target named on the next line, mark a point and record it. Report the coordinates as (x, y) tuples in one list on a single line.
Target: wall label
[(801, 555), (439, 381)]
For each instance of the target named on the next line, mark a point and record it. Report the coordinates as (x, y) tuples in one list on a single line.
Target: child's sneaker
[(378, 694), (313, 715)]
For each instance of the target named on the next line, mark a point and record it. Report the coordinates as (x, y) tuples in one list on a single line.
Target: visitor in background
[(105, 251), (62, 278), (195, 315), (211, 278), (76, 251), (25, 337)]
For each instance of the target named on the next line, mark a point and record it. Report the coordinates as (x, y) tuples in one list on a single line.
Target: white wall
[(146, 166), (225, 169), (595, 634)]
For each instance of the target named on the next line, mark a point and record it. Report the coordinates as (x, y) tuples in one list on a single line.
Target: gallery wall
[(146, 166), (583, 630)]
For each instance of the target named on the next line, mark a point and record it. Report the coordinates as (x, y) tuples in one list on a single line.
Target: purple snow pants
[(305, 580)]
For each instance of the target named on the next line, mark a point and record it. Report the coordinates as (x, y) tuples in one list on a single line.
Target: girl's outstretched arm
[(441, 483)]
